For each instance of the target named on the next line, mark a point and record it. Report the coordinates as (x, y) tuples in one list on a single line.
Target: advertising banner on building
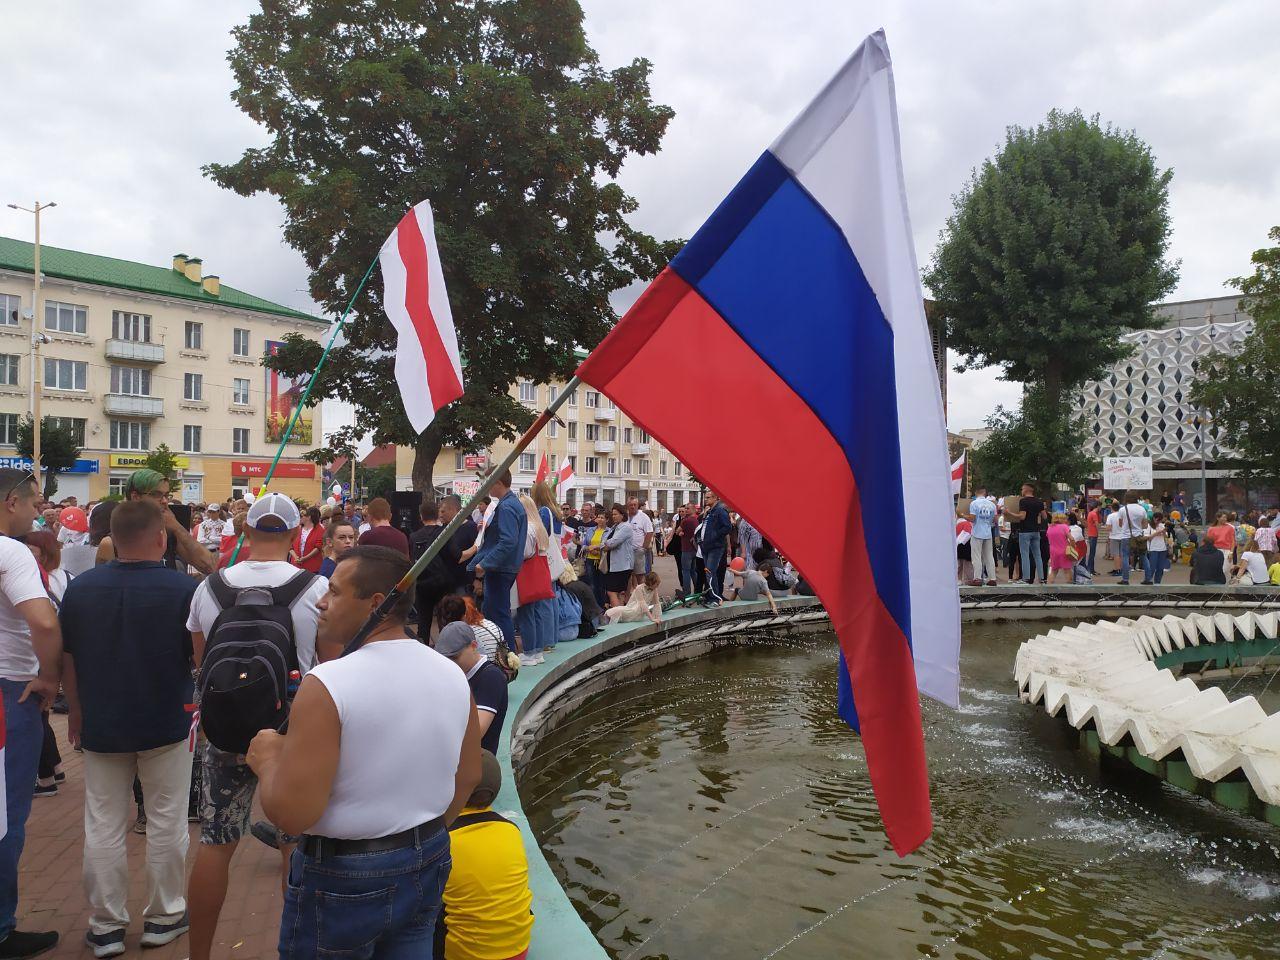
[(474, 461), (1126, 473), (283, 394), (259, 468), (136, 461)]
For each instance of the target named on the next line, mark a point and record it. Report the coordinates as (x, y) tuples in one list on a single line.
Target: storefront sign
[(136, 461), (474, 461), (26, 463), (1126, 473), (259, 468)]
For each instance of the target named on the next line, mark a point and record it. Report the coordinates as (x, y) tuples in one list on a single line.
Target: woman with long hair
[(536, 620), (619, 557), (308, 552)]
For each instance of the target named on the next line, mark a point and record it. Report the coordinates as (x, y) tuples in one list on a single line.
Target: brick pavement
[(52, 898)]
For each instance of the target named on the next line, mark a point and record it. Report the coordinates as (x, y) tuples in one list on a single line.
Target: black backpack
[(249, 654)]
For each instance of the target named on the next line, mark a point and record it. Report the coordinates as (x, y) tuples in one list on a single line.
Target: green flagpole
[(302, 402)]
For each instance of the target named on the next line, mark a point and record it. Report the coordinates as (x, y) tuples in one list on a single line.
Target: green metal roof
[(127, 275)]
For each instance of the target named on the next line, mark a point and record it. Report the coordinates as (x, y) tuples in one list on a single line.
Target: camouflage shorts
[(226, 797)]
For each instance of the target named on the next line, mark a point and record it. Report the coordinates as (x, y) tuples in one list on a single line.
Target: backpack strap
[(484, 816), (224, 594), (290, 592)]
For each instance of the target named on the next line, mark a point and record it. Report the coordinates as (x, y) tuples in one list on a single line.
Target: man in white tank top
[(374, 857)]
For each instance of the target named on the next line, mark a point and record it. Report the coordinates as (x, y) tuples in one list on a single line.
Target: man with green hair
[(182, 549)]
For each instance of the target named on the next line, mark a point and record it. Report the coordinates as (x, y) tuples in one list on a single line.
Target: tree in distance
[(58, 448), (1056, 247), (502, 116)]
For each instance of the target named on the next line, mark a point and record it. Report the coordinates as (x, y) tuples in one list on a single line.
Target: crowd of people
[(1030, 538)]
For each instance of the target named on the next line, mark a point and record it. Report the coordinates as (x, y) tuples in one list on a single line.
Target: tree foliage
[(1239, 391), (1035, 444), (499, 113), (58, 448), (163, 460), (1055, 248)]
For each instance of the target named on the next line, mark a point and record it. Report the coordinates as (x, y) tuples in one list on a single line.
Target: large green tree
[(499, 113), (1239, 390), (1056, 247), (58, 448), (1032, 444)]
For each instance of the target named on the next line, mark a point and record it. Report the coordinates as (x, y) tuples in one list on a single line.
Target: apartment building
[(136, 355), (612, 457)]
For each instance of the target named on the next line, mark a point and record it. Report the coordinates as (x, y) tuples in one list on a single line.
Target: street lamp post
[(1199, 420), (36, 340)]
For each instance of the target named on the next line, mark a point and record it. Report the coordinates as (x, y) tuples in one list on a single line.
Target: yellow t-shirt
[(487, 897), (1275, 573), (593, 544)]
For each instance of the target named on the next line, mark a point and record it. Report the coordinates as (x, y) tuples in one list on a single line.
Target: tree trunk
[(425, 452)]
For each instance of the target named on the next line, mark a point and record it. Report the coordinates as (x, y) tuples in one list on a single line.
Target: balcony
[(605, 446), (640, 449), (128, 405), (135, 351), (605, 414)]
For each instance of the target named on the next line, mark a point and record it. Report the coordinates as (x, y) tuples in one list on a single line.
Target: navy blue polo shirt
[(124, 625)]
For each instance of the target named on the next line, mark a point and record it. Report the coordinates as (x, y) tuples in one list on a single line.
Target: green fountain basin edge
[(558, 931), (1222, 655)]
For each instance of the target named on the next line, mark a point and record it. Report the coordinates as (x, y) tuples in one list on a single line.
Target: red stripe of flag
[(442, 380)]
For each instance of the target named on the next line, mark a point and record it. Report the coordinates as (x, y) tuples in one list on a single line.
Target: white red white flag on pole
[(428, 369), (957, 475), (565, 478)]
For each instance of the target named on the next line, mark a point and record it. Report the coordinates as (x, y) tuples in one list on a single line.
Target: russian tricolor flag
[(799, 299)]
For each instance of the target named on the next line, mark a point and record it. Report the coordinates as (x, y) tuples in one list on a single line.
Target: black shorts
[(617, 582)]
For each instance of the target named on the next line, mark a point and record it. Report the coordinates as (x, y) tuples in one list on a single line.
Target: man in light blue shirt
[(983, 514)]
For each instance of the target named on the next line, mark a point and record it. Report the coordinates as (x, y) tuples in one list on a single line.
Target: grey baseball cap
[(454, 638)]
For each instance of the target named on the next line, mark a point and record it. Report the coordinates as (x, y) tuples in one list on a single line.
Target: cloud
[(112, 111)]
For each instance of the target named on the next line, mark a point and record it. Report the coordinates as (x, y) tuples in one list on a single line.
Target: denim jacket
[(503, 548), (716, 529)]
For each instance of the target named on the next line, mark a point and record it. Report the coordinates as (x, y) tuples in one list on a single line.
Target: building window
[(613, 434), (611, 404), (65, 374), (193, 386), (130, 435), (553, 429), (240, 440), (593, 431), (8, 429), (573, 462), (613, 466), (593, 398), (643, 468), (195, 335), (551, 461), (526, 462), (74, 424), (191, 438), (457, 461), (65, 317), (528, 392), (10, 309), (133, 381), (240, 342), (573, 397), (678, 469), (626, 434), (626, 466), (130, 326), (9, 369), (593, 465), (240, 391), (662, 468), (116, 485)]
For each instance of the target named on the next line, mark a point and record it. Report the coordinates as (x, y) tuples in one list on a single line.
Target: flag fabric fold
[(428, 367), (800, 296), (957, 475), (544, 470)]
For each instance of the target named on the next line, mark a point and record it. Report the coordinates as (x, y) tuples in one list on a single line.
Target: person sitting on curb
[(754, 584)]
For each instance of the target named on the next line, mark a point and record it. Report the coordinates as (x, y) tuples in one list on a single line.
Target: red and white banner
[(428, 369), (565, 478), (543, 470), (957, 475)]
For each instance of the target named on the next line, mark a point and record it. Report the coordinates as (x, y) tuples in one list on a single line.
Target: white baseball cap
[(273, 513)]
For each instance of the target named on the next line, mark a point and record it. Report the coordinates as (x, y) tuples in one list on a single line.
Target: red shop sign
[(259, 468)]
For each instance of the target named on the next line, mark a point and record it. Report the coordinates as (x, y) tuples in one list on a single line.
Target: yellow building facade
[(135, 355), (612, 458)]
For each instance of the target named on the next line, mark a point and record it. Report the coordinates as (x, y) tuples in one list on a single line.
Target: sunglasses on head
[(29, 478)]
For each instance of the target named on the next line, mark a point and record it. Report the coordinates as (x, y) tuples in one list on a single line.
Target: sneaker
[(46, 790), (528, 660), (1148, 583), (19, 944), (140, 825), (158, 934), (539, 658), (109, 944), (265, 832)]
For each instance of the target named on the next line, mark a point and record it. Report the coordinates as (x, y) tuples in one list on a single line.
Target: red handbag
[(533, 581)]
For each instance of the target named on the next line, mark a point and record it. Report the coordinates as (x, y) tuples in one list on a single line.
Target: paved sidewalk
[(52, 898)]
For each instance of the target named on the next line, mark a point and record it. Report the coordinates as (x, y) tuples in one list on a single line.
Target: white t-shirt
[(265, 573), (1255, 567), (1076, 533), (1156, 542), (640, 525), (1121, 529), (404, 710), (19, 582)]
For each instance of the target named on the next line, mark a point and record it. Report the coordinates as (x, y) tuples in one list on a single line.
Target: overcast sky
[(111, 109)]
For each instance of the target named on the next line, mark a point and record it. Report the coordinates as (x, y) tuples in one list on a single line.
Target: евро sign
[(1126, 473)]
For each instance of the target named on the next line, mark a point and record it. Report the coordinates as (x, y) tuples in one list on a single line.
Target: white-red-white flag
[(957, 475), (565, 477), (428, 369)]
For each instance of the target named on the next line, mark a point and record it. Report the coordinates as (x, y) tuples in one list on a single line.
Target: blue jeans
[(692, 566), (713, 559), (374, 906), (1093, 553), (1155, 563), (24, 737), (594, 577), (496, 604), (537, 623), (1123, 547), (1029, 547)]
